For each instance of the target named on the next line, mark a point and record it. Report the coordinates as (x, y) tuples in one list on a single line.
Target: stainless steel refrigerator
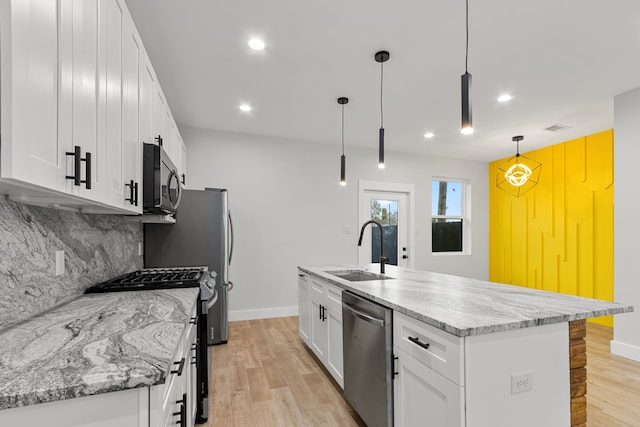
[(201, 236)]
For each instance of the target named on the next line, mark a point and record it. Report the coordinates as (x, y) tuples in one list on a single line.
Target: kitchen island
[(495, 354), (105, 359)]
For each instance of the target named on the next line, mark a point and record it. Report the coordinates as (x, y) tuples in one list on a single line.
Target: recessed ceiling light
[(256, 44), (245, 107), (429, 135), (505, 98)]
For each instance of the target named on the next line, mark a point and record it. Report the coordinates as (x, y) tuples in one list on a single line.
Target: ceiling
[(563, 61)]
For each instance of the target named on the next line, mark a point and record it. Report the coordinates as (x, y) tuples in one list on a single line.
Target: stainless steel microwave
[(161, 188)]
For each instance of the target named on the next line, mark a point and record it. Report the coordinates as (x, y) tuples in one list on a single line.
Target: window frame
[(465, 215)]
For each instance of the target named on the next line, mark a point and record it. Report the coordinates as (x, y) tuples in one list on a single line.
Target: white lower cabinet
[(128, 408), (304, 307), (448, 381), (424, 398), (320, 323), (429, 384), (173, 403)]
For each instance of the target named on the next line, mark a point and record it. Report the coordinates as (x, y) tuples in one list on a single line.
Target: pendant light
[(519, 173), (343, 160), (381, 57), (467, 122)]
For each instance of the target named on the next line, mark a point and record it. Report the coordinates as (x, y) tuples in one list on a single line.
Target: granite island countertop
[(463, 306), (94, 344)]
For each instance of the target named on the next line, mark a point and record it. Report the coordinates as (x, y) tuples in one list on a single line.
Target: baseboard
[(263, 313), (625, 350)]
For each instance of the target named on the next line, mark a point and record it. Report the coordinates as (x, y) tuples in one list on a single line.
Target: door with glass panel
[(390, 210)]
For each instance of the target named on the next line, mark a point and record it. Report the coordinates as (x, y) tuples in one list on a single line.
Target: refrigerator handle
[(232, 239)]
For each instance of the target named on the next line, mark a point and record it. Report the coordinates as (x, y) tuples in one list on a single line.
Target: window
[(448, 223)]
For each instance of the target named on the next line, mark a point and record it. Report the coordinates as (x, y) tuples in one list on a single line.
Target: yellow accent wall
[(559, 235)]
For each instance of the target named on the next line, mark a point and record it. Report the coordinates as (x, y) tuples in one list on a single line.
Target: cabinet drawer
[(433, 347)]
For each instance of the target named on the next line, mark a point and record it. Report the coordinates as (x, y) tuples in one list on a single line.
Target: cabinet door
[(183, 160), (160, 114), (147, 97), (131, 145), (31, 150), (78, 95), (111, 102), (334, 331), (304, 307), (318, 322), (424, 398)]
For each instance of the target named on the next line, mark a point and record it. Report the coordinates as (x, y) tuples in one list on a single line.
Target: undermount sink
[(358, 275)]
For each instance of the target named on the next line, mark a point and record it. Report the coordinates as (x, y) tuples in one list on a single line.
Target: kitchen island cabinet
[(325, 321), (103, 360), (473, 353)]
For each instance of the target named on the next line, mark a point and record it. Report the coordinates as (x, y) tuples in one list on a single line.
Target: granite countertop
[(94, 344), (463, 306)]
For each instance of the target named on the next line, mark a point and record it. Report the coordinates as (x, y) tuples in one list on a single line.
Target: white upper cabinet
[(132, 74), (78, 97), (29, 99)]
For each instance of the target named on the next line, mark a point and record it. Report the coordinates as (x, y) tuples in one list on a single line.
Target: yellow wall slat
[(559, 235)]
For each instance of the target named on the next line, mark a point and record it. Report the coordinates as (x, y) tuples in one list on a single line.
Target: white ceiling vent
[(557, 128)]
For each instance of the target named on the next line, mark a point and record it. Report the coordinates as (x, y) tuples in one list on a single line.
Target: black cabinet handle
[(183, 411), (87, 169), (194, 358), (301, 275), (132, 192), (183, 179), (135, 193), (404, 257), (159, 140), (180, 367), (193, 320), (76, 165), (416, 341), (323, 316), (394, 366)]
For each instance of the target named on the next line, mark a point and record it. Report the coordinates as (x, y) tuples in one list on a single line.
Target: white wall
[(626, 340), (289, 210)]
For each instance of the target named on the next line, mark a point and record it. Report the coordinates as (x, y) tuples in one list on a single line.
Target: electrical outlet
[(59, 263), (346, 229), (521, 382), (139, 249)]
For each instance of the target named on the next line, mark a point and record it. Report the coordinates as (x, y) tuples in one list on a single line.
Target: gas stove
[(154, 278)]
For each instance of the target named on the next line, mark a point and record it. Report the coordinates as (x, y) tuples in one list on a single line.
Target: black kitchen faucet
[(383, 258)]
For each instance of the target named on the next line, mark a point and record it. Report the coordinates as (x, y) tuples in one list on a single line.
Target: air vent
[(557, 128)]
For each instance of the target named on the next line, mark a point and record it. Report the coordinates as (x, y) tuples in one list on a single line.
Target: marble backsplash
[(97, 248)]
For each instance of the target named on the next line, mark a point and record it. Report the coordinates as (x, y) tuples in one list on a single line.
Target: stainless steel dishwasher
[(368, 359)]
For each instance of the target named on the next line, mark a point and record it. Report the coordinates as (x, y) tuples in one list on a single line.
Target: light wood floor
[(265, 376)]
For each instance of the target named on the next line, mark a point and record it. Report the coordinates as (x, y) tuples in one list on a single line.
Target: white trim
[(625, 350), (393, 187), (263, 313)]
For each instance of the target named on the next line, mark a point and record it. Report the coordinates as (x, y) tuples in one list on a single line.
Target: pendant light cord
[(343, 129), (381, 79), (466, 54)]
